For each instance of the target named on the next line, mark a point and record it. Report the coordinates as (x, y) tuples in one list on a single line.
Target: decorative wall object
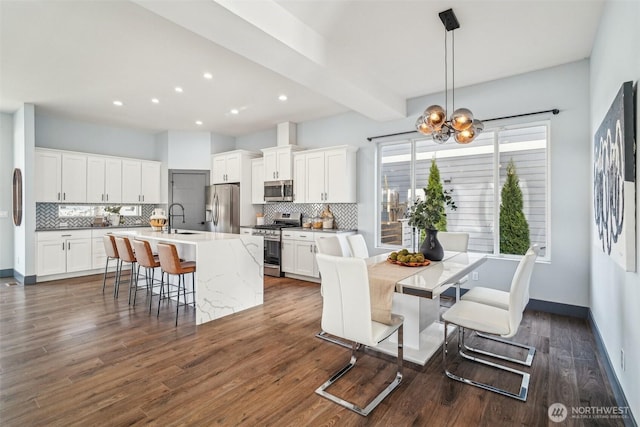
[(614, 181), (17, 197)]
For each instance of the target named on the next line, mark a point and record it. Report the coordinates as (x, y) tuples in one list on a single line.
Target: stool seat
[(170, 263)]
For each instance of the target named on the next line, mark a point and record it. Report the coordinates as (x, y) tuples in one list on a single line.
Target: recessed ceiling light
[(178, 89), (118, 103), (234, 111), (282, 97), (155, 100), (199, 123), (208, 76)]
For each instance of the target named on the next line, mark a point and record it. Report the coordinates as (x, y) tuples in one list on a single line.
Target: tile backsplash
[(345, 215), (47, 217)]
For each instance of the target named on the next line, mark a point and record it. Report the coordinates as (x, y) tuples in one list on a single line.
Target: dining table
[(414, 292)]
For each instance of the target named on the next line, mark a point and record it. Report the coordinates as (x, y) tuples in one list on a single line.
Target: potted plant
[(113, 213), (430, 214)]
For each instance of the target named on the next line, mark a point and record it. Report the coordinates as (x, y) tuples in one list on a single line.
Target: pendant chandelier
[(462, 126)]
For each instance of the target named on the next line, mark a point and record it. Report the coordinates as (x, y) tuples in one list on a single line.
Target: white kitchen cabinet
[(298, 255), (74, 178), (63, 252), (278, 163), (287, 256), (226, 167), (299, 178), (104, 179), (326, 175), (257, 181), (140, 181), (305, 258), (48, 174), (246, 231), (60, 176)]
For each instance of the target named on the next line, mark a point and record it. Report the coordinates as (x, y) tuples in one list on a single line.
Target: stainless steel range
[(273, 240)]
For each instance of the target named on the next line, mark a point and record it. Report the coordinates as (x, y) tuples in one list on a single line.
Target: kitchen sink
[(186, 232)]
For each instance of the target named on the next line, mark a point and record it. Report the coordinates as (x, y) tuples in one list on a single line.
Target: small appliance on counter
[(158, 219)]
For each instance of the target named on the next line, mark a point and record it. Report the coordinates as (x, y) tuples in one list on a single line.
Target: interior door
[(187, 187)]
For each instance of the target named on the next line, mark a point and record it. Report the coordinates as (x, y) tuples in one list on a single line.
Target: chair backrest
[(169, 259), (110, 246), (358, 246), (346, 302), (124, 249), (519, 292), (329, 246), (144, 255), (454, 241)]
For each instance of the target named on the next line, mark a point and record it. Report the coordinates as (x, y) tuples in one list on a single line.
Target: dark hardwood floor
[(70, 355)]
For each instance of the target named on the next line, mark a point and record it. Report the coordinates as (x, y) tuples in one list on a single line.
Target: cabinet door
[(315, 177), (270, 165), (51, 257), (284, 164), (218, 169), (113, 180), (287, 257), (48, 185), (131, 179), (257, 181), (304, 258), (299, 179), (150, 182), (234, 167), (95, 179), (335, 176), (79, 256), (74, 178)]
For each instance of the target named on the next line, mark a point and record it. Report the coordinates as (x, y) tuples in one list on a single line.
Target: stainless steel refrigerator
[(222, 208)]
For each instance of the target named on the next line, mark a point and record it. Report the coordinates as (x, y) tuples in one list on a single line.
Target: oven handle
[(272, 239)]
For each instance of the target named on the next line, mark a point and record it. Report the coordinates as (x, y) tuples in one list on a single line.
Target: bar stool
[(146, 259), (112, 253), (125, 251), (170, 263)]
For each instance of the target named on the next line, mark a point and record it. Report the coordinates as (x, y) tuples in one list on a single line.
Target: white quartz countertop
[(193, 237)]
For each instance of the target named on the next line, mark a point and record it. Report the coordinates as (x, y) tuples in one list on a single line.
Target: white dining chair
[(495, 321), (346, 313), (358, 246), (455, 242), (500, 299)]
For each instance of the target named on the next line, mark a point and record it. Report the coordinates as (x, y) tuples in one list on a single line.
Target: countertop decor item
[(158, 219), (433, 121)]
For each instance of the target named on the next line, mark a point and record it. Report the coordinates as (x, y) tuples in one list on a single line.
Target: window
[(71, 211), (475, 174)]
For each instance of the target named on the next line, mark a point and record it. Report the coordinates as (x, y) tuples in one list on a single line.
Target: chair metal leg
[(376, 401), (324, 336), (524, 385), (531, 351), (133, 279), (161, 292), (116, 286), (180, 276), (104, 280)]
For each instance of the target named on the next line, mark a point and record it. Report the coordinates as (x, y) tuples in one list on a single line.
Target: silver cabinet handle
[(69, 245), (64, 196), (107, 197), (58, 196), (63, 246), (143, 197)]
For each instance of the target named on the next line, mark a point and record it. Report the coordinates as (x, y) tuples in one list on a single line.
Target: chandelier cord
[(446, 75), (453, 71)]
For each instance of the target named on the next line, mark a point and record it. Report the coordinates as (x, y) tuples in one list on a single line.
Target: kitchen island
[(229, 268)]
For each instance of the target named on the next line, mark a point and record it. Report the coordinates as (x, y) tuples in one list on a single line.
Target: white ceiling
[(74, 58)]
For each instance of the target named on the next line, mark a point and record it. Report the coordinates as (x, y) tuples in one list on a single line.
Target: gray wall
[(615, 294), (6, 176), (565, 278)]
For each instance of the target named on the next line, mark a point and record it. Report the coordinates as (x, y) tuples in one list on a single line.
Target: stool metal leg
[(104, 280)]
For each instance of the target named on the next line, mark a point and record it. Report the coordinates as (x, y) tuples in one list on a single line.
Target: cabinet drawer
[(307, 236), (44, 236)]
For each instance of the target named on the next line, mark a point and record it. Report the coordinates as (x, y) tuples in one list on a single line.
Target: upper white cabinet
[(227, 167), (278, 163), (299, 178), (257, 181), (104, 179), (60, 176), (140, 181), (48, 174), (329, 175)]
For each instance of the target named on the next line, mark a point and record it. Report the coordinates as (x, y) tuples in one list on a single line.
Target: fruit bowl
[(410, 264)]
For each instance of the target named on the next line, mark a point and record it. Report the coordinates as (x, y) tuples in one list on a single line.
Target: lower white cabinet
[(299, 249), (64, 252)]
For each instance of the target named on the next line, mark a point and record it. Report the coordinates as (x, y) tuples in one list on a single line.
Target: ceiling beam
[(267, 34)]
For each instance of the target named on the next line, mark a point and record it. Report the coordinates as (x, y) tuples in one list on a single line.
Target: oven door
[(272, 256)]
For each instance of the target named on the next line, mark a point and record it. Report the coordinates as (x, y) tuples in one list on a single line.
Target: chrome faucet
[(171, 214)]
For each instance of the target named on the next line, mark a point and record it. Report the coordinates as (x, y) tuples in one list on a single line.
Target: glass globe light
[(465, 136), (441, 135), (461, 119), (422, 127), (435, 117), (478, 125)]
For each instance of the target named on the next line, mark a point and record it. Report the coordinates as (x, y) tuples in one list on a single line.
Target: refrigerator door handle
[(216, 209)]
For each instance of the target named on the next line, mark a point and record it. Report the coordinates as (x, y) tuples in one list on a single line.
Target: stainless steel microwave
[(278, 191)]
